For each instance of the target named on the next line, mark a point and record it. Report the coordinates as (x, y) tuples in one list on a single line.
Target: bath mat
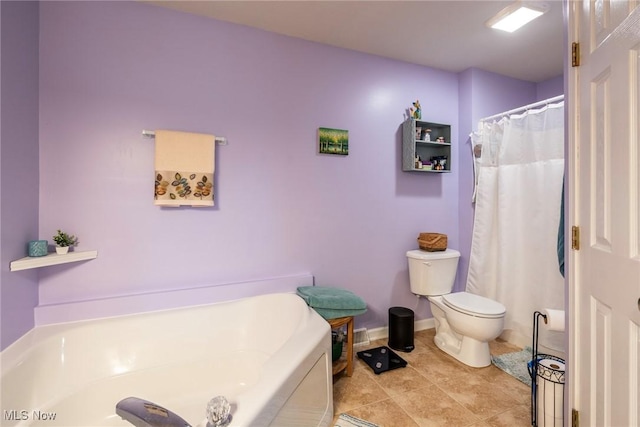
[(381, 359), (345, 420), (515, 364)]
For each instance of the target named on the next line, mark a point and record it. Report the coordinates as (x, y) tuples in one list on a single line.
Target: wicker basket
[(432, 242)]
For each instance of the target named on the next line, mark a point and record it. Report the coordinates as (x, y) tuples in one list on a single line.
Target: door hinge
[(575, 238), (575, 418), (575, 54)]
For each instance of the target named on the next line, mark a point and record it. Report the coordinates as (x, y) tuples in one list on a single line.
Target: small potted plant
[(64, 241)]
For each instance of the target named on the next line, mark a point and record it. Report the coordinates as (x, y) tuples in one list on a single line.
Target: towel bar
[(220, 140)]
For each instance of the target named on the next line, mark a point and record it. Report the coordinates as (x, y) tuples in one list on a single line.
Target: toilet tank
[(432, 273)]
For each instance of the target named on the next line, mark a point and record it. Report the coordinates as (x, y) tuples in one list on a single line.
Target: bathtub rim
[(38, 335)]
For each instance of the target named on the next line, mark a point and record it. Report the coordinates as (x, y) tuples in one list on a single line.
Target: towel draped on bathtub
[(332, 303)]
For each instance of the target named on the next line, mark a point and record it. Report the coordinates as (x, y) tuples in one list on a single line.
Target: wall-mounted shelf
[(51, 259), (414, 145)]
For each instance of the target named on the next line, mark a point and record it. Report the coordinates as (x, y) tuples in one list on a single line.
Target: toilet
[(465, 322)]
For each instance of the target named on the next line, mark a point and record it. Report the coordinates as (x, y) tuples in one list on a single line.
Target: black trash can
[(401, 329)]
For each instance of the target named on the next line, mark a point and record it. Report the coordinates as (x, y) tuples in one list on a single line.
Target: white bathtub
[(269, 355)]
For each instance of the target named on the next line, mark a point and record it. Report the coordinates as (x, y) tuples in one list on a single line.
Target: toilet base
[(462, 336), (467, 350)]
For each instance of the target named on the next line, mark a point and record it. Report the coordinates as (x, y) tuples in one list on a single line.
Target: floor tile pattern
[(433, 390)]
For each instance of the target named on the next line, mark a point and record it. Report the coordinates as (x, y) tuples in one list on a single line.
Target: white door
[(604, 277)]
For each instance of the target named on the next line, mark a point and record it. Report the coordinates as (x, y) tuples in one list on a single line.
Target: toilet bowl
[(465, 322), (465, 333)]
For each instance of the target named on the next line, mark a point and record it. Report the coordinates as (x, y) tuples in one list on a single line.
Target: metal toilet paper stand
[(549, 374)]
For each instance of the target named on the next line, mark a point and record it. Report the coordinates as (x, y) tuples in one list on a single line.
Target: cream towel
[(184, 168)]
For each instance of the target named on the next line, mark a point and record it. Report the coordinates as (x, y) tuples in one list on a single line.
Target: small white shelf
[(51, 259)]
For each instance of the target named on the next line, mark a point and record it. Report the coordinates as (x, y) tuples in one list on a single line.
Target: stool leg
[(350, 347)]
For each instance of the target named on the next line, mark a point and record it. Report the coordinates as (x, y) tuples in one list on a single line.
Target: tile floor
[(434, 389)]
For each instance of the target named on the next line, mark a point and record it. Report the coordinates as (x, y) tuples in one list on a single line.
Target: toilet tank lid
[(419, 254), (472, 303)]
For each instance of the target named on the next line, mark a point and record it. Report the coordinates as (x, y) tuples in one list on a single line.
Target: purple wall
[(110, 70), (465, 190), (19, 164), (550, 88)]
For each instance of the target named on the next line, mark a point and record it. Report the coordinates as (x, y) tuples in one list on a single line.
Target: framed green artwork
[(333, 141)]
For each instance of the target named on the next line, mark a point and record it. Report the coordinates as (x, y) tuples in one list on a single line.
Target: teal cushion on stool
[(332, 303)]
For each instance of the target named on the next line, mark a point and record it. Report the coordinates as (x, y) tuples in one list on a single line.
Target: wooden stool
[(340, 364)]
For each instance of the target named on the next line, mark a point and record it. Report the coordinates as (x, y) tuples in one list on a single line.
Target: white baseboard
[(418, 325), (509, 336)]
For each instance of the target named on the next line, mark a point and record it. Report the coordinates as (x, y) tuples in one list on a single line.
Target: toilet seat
[(474, 305)]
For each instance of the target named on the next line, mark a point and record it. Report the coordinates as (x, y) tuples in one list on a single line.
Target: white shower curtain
[(513, 252)]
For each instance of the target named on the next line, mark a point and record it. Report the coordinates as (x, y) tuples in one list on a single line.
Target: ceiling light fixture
[(516, 15)]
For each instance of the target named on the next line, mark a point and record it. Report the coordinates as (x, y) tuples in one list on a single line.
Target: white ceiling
[(449, 35)]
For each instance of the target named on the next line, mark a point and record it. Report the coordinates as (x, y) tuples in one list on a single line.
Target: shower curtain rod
[(525, 108)]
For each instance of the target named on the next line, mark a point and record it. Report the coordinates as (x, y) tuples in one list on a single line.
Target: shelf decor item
[(37, 248), (417, 110), (333, 141), (64, 241)]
